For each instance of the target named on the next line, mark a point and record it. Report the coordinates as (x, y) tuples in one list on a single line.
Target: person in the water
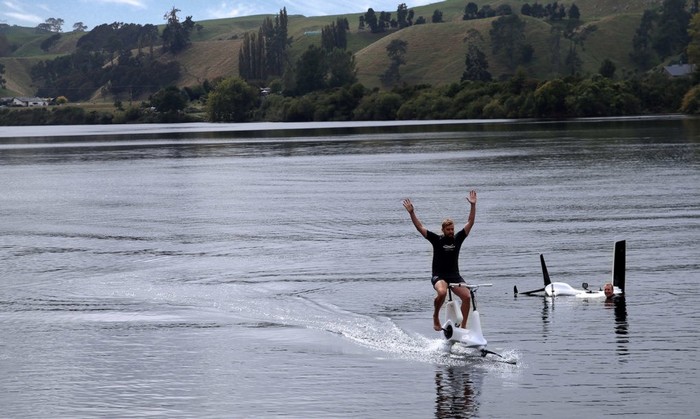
[(445, 267), (608, 290)]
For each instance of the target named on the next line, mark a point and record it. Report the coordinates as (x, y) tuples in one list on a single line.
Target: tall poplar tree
[(672, 32), (265, 55), (335, 35), (508, 39)]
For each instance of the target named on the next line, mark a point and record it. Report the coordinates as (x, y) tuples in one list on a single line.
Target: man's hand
[(471, 198), (408, 205)]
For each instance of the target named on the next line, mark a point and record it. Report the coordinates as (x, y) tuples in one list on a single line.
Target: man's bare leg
[(441, 288), (465, 296)]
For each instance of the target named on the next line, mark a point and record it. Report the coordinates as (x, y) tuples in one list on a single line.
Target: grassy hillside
[(612, 40), (19, 82), (435, 54), (208, 60)]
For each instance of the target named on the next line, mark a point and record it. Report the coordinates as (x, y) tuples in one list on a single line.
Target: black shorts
[(450, 279)]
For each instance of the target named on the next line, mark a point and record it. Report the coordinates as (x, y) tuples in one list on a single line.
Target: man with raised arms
[(445, 266)]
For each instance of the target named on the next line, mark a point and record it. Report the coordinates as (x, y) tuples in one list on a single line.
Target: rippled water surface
[(259, 271)]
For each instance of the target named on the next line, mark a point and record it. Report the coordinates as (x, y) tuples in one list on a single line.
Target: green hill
[(435, 55)]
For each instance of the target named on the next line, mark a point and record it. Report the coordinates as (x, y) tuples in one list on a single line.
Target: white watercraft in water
[(471, 336), (552, 289)]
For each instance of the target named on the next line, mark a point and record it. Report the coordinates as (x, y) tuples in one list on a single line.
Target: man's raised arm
[(416, 222), (472, 212)]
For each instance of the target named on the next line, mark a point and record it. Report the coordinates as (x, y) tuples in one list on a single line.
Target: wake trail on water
[(377, 333), (197, 306)]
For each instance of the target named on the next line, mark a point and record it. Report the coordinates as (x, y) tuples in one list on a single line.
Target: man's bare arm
[(472, 212), (416, 222)]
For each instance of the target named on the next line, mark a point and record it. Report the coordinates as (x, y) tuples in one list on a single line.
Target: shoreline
[(53, 131)]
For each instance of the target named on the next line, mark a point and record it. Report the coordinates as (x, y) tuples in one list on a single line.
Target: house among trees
[(679, 70), (29, 102)]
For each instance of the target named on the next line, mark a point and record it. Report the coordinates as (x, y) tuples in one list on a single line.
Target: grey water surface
[(271, 270)]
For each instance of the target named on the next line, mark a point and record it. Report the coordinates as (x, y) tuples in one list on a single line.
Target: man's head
[(608, 290), (448, 228)]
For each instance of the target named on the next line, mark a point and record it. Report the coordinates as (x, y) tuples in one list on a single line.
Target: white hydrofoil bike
[(471, 336)]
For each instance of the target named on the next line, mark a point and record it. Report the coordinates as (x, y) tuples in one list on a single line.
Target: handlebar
[(471, 286)]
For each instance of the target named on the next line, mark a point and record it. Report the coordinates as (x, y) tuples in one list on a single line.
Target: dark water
[(237, 271)]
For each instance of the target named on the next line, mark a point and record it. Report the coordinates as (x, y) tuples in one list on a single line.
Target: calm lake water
[(270, 270)]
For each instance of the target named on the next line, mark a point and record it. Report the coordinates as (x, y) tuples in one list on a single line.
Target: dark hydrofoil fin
[(545, 272), (545, 276), (618, 273)]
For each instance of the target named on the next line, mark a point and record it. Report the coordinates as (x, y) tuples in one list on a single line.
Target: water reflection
[(547, 306), (619, 305), (456, 397)]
